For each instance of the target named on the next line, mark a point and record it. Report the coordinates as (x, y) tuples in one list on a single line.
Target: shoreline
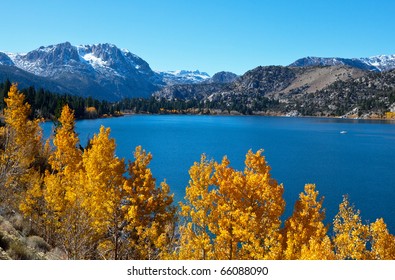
[(375, 120), (256, 115), (221, 114)]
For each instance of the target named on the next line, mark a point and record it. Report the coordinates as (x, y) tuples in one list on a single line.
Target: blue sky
[(209, 35)]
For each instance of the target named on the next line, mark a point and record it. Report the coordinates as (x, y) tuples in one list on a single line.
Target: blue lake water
[(360, 163)]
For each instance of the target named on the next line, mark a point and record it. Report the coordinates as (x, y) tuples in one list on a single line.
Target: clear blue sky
[(209, 35)]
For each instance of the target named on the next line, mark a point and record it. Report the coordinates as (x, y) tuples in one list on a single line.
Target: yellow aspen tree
[(230, 221), (350, 235), (196, 239), (66, 155), (382, 242), (65, 162), (64, 192), (150, 215), (104, 193), (305, 224), (33, 206), (21, 147), (265, 197), (231, 214)]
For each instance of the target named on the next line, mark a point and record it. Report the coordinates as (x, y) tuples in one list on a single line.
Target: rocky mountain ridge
[(377, 63), (101, 70), (309, 91)]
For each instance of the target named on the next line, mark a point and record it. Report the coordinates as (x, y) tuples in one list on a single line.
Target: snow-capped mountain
[(381, 62), (103, 58), (183, 77), (375, 63), (100, 70)]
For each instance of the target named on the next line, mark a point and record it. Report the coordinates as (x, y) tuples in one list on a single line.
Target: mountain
[(337, 90), (375, 63), (101, 70), (269, 81), (182, 77), (222, 78)]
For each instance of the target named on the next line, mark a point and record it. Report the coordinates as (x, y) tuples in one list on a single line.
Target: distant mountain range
[(338, 90), (106, 72), (375, 63)]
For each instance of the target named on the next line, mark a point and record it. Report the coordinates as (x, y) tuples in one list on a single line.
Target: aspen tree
[(265, 197), (196, 239), (232, 214), (65, 164), (21, 139), (231, 223), (33, 206), (382, 242), (350, 235), (104, 193), (150, 214), (64, 192), (305, 227)]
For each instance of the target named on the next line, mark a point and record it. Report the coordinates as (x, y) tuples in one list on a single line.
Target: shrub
[(18, 251), (4, 242), (38, 244)]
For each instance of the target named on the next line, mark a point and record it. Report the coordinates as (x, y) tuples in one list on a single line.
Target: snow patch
[(97, 61)]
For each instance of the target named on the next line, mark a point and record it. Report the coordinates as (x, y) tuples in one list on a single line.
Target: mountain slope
[(269, 81), (26, 79), (370, 95)]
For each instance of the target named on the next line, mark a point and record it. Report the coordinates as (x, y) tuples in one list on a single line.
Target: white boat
[(343, 132)]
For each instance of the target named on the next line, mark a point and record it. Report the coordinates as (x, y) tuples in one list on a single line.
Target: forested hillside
[(48, 105), (329, 91)]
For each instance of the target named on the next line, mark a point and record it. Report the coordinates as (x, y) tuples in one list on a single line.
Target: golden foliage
[(350, 235), (390, 115), (195, 240), (66, 216), (305, 228), (150, 212), (21, 148), (103, 180), (230, 214), (383, 243)]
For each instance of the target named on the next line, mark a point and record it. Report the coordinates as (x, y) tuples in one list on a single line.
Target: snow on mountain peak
[(183, 76), (91, 59), (381, 62), (373, 63)]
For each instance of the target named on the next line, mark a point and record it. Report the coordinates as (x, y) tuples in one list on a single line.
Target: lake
[(354, 157)]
